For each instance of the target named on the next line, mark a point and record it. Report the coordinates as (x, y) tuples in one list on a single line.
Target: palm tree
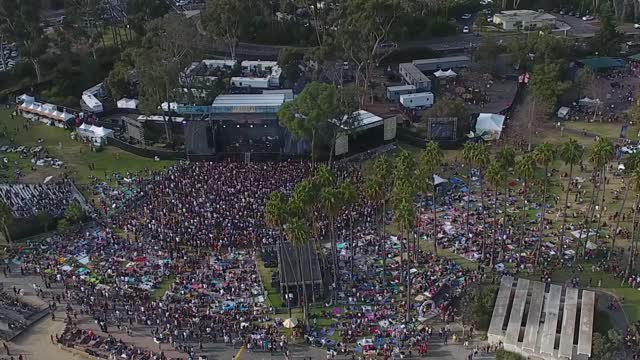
[(507, 159), (630, 165), (349, 198), (525, 168), (481, 160), (468, 154), (374, 192), (5, 219), (496, 177), (381, 181), (544, 154), (305, 196), (404, 185), (601, 155), (404, 216), (430, 159), (571, 154), (275, 216), (298, 236), (331, 204)]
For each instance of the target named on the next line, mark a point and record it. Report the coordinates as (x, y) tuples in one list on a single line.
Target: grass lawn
[(74, 154), (272, 294), (611, 130), (165, 285)]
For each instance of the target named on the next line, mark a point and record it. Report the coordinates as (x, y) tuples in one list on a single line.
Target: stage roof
[(249, 103)]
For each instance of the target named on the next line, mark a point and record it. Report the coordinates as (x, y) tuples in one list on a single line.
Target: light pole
[(289, 297)]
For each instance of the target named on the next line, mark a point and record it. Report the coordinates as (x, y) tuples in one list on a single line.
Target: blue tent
[(456, 181)]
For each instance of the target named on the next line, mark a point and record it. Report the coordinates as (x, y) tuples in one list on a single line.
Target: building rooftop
[(248, 103), (529, 14), (440, 60)]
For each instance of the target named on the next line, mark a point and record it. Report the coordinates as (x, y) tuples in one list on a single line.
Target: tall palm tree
[(383, 178), (496, 177), (525, 168), (430, 160), (305, 197), (481, 160), (468, 154), (298, 235), (275, 216), (507, 159), (374, 191), (404, 215), (331, 204), (601, 155), (349, 198), (404, 185), (544, 154), (630, 165), (571, 153)]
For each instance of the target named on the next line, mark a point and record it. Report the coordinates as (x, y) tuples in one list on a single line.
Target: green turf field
[(76, 155)]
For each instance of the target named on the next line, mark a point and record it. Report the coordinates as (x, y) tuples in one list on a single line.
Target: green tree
[(308, 115), (430, 159), (506, 156), (496, 177), (290, 60), (635, 183), (544, 154), (364, 25), (349, 198), (74, 213), (44, 219), (571, 153), (602, 153), (468, 155), (275, 216), (547, 84), (63, 225), (141, 12), (481, 160), (331, 204), (487, 53), (298, 235), (631, 164), (525, 168), (607, 39), (6, 217), (118, 81), (20, 23), (226, 20)]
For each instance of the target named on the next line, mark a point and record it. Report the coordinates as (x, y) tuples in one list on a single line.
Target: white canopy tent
[(96, 134), (173, 106), (587, 101), (489, 126), (440, 74), (450, 73), (93, 104), (25, 99), (126, 103)]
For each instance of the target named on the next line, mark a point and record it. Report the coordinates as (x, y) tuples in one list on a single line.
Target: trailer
[(246, 82), (417, 101), (394, 92)]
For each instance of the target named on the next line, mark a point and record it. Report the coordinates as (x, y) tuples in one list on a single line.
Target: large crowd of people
[(27, 200)]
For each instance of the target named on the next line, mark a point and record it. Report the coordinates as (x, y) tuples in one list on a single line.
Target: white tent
[(101, 132), (489, 126), (563, 112), (173, 106), (126, 103), (26, 99), (587, 101), (92, 103), (450, 73), (437, 180), (440, 74)]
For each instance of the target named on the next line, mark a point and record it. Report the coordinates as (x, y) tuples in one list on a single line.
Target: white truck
[(417, 101)]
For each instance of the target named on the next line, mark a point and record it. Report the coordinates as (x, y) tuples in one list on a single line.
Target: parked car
[(466, 17), (588, 18), (636, 26), (465, 29)]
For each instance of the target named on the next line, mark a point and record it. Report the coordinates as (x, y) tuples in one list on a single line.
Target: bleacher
[(26, 200), (15, 316)]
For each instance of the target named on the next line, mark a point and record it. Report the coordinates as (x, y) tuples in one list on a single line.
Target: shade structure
[(489, 126), (440, 74), (290, 323)]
